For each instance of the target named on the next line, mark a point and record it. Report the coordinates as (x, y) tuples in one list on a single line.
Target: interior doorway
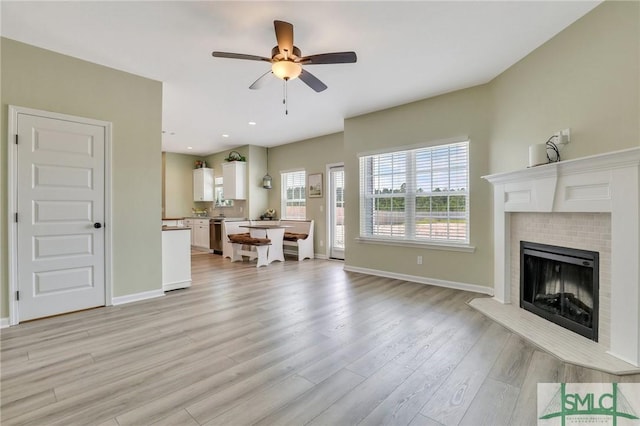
[(335, 212), (58, 170)]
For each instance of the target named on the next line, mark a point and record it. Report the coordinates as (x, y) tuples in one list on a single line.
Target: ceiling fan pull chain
[(285, 97)]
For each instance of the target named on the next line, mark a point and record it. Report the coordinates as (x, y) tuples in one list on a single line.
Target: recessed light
[(225, 136), (189, 147), (252, 123)]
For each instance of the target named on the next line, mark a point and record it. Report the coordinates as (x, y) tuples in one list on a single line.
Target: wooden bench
[(259, 248), (299, 234)]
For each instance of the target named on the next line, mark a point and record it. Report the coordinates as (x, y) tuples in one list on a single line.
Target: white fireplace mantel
[(606, 183)]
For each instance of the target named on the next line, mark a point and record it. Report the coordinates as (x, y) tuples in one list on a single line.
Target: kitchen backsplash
[(237, 210)]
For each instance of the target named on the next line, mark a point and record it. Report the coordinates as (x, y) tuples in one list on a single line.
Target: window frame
[(408, 169), (284, 193)]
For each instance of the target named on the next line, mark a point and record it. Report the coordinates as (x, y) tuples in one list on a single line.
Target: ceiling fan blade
[(284, 36), (330, 58), (312, 81), (239, 56), (261, 81)]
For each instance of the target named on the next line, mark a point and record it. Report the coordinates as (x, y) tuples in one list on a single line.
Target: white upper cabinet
[(203, 184), (234, 174)]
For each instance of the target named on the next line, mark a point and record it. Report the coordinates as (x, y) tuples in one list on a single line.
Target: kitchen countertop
[(216, 218), (174, 228)]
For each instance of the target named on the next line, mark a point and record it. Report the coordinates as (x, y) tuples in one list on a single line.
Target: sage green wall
[(179, 184), (257, 196), (585, 78), (312, 155), (461, 114), (41, 79)]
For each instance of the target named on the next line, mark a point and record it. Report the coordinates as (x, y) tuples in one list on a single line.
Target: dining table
[(273, 232)]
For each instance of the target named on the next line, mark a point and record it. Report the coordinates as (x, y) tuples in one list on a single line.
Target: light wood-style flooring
[(293, 343)]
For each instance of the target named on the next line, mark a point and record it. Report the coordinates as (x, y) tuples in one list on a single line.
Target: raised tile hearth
[(603, 186)]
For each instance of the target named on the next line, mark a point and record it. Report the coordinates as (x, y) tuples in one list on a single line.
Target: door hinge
[(16, 217), (16, 139), (17, 295)]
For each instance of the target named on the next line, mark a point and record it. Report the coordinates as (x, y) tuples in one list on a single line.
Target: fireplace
[(604, 184), (560, 284)]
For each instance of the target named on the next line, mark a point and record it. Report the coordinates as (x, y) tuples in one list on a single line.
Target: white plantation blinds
[(417, 195), (293, 195)]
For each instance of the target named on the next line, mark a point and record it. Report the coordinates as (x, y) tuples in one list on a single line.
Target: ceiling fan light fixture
[(286, 69)]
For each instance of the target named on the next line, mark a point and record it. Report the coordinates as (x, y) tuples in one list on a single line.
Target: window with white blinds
[(293, 195), (419, 195)]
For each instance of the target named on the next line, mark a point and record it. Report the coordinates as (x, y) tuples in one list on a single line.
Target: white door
[(336, 212), (60, 181)]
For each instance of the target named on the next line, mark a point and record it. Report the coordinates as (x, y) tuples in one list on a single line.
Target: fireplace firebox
[(560, 284)]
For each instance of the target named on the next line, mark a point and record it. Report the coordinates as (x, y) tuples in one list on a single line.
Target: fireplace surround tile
[(584, 231)]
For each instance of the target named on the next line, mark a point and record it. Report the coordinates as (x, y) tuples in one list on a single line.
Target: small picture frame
[(314, 185)]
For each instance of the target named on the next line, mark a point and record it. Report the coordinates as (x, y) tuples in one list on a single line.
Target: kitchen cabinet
[(176, 259), (234, 183), (200, 233), (188, 223), (203, 184)]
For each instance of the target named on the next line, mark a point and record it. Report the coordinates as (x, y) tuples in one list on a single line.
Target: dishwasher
[(215, 235)]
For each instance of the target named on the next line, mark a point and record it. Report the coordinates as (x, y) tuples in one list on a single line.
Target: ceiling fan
[(287, 60)]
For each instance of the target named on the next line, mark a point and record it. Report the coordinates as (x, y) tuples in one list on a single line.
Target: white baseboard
[(295, 253), (4, 322), (422, 280), (176, 285), (136, 297)]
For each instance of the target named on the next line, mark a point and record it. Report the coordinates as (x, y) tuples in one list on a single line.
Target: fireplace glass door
[(561, 285)]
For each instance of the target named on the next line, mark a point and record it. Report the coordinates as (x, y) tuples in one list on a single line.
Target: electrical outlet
[(321, 243), (419, 260), (562, 137)]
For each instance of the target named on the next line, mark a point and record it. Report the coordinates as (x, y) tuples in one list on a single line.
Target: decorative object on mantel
[(267, 179), (235, 156), (269, 214), (539, 154)]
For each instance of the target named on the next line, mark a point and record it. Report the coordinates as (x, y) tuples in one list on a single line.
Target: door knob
[(97, 225)]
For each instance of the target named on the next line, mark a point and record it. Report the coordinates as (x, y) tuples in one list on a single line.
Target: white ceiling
[(406, 51)]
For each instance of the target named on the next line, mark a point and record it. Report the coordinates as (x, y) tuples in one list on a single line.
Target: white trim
[(295, 253), (299, 169), (327, 219), (422, 280), (428, 144), (12, 190), (176, 285), (137, 297), (465, 248), (4, 322), (12, 203)]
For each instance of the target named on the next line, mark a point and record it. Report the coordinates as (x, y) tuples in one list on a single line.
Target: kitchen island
[(176, 257)]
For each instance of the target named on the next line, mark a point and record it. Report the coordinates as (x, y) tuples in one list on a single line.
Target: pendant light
[(267, 180)]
